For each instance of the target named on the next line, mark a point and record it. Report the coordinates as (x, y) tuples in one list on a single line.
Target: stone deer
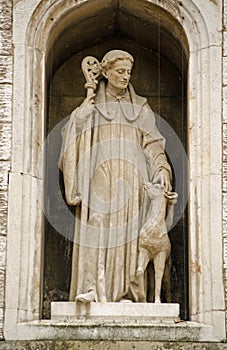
[(154, 243)]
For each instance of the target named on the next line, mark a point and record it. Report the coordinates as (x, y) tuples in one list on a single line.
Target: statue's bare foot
[(125, 301), (86, 297)]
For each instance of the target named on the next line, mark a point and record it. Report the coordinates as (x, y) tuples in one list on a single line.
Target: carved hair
[(112, 56)]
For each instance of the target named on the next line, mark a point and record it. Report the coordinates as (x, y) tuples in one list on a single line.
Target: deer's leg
[(167, 282), (150, 282), (143, 260), (159, 266)]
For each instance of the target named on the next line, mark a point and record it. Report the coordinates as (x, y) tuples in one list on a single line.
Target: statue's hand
[(84, 111), (163, 178), (88, 103)]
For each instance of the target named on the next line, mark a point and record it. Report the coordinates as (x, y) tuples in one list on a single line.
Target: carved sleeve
[(153, 143), (72, 145)]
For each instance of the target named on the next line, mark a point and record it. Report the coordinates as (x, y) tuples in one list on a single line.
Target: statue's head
[(112, 56), (116, 67)]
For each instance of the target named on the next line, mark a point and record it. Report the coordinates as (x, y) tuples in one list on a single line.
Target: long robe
[(108, 153)]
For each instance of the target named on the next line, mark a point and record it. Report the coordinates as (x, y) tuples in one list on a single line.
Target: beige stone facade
[(224, 118), (34, 33), (6, 67)]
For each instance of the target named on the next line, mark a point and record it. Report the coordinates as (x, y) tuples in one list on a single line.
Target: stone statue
[(154, 243), (111, 147)]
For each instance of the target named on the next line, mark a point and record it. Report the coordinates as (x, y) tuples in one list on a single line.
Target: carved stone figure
[(110, 148), (154, 243)]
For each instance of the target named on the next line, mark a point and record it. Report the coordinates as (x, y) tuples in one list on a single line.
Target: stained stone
[(115, 311), (110, 345)]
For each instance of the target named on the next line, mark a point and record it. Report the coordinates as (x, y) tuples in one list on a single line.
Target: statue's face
[(118, 75)]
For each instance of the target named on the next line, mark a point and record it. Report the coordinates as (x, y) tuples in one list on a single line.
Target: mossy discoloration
[(108, 345), (215, 2)]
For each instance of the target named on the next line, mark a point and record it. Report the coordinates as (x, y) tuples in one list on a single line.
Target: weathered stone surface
[(224, 109), (5, 14), (115, 311), (225, 43), (5, 101), (2, 279), (225, 236), (5, 141), (225, 14), (224, 177), (5, 27), (1, 323), (224, 71), (5, 133), (5, 69), (225, 142), (3, 213), (224, 101), (225, 202), (4, 168), (225, 205), (110, 345), (2, 270), (5, 42)]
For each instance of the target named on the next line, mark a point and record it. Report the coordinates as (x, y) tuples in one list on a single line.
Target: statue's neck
[(113, 91)]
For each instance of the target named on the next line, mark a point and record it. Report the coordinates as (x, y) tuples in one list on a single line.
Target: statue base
[(115, 311)]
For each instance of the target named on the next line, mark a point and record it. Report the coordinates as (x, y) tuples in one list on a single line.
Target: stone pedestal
[(115, 311), (126, 322)]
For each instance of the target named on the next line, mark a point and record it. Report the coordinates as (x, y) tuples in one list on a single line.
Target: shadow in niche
[(155, 77), (58, 250)]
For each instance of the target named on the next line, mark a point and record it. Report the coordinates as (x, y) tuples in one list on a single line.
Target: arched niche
[(160, 74), (50, 36)]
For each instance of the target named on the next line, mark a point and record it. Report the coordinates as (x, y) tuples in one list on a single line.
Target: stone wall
[(224, 116), (6, 59), (6, 64)]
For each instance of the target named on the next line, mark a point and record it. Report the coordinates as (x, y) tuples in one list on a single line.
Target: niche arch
[(46, 25)]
